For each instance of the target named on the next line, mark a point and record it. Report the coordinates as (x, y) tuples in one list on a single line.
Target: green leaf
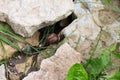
[(117, 55), (115, 77), (77, 72), (105, 52), (112, 48), (105, 58), (98, 64), (95, 66)]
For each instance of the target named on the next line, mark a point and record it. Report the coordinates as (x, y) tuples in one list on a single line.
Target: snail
[(53, 39)]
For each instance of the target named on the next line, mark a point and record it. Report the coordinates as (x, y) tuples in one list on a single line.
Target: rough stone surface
[(106, 15), (109, 21), (56, 67), (27, 16), (20, 66), (34, 39), (112, 33), (93, 5), (9, 50), (100, 15), (81, 32), (2, 72), (79, 9), (85, 7)]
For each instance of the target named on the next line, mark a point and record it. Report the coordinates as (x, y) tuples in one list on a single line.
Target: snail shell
[(53, 38)]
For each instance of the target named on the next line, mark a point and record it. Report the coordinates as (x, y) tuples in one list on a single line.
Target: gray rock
[(93, 5), (109, 21), (27, 16), (80, 9), (9, 50), (56, 67), (2, 72), (103, 14), (86, 7), (81, 34), (113, 34), (81, 29)]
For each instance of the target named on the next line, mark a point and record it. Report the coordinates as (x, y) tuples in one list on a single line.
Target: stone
[(19, 66), (34, 39), (2, 72), (81, 30), (93, 5), (27, 16), (107, 15), (79, 9), (112, 35), (57, 66), (86, 7), (81, 34), (6, 50), (9, 50), (109, 21)]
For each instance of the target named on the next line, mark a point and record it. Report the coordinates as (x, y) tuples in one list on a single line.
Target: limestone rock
[(34, 39), (114, 31), (107, 15), (28, 16), (109, 21), (81, 34), (19, 66), (79, 9), (93, 5), (9, 50), (111, 34), (56, 67), (2, 72), (81, 30), (86, 7)]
